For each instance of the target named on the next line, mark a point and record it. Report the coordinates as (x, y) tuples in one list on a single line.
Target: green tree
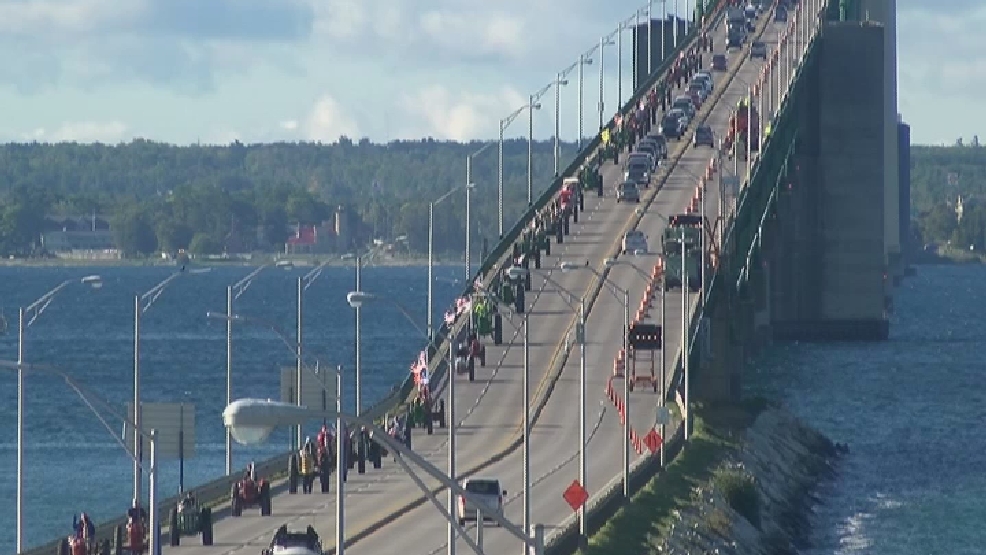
[(133, 232), (203, 243), (939, 223), (242, 189)]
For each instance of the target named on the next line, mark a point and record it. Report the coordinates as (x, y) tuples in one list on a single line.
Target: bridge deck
[(490, 409)]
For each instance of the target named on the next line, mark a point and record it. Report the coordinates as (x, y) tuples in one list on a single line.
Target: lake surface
[(74, 464), (912, 411), (911, 408)]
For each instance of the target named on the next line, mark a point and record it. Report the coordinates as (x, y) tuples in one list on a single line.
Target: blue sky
[(259, 70)]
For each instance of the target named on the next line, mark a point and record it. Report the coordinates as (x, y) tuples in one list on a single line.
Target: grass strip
[(717, 432)]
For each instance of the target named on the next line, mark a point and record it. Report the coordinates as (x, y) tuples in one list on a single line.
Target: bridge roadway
[(490, 409), (554, 458)]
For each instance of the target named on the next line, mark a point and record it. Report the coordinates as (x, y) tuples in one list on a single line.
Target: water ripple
[(911, 409)]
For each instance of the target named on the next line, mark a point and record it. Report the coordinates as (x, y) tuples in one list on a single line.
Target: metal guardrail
[(216, 492)]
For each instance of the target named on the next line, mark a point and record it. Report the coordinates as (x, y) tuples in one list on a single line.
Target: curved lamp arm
[(88, 397)]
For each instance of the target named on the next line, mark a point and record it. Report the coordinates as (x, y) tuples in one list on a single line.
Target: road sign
[(645, 337), (575, 495), (318, 387), (175, 425), (663, 416), (653, 440)]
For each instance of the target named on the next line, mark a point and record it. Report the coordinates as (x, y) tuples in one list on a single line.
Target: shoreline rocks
[(759, 500)]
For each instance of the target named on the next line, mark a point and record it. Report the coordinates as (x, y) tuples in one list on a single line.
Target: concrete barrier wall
[(216, 492)]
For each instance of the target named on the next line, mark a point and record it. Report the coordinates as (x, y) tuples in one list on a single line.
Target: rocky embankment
[(759, 499)]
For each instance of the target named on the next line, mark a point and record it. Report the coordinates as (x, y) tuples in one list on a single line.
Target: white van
[(488, 492)]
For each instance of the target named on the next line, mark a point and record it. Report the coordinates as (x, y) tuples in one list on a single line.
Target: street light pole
[(561, 79), (452, 425), (582, 62), (664, 23), (468, 219), (20, 431), (602, 63), (504, 123), (530, 151), (557, 145), (626, 395), (138, 443), (340, 470), (533, 104), (664, 352), (431, 262), (684, 328), (619, 64), (527, 426), (358, 356), (154, 543), (229, 376), (650, 40), (675, 23), (625, 300), (580, 335), (299, 369)]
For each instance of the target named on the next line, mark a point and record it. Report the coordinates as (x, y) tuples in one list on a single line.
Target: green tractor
[(682, 244), (189, 519), (486, 319)]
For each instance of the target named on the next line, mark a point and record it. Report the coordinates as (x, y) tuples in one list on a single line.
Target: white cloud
[(516, 32), (435, 111), (289, 125), (110, 132), (940, 74), (329, 120)]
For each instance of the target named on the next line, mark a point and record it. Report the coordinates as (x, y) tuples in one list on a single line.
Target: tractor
[(464, 362), (487, 321), (82, 541), (426, 411), (188, 519), (250, 492)]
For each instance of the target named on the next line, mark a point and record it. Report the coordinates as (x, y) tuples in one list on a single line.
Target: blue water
[(912, 410), (74, 464)]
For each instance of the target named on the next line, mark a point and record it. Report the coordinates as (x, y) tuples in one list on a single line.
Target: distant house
[(81, 238), (311, 239)]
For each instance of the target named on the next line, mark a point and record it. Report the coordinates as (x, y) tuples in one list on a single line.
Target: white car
[(634, 242), (294, 543), (488, 492)]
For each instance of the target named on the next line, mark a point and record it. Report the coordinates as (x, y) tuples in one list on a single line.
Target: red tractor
[(744, 121), (250, 492)]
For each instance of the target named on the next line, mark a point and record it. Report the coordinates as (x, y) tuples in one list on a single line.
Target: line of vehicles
[(681, 241)]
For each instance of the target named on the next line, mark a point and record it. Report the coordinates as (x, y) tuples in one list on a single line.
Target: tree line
[(159, 197), (940, 176)]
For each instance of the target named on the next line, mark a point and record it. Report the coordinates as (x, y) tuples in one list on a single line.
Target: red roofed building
[(311, 239)]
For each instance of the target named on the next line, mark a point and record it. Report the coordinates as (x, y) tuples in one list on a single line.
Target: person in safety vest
[(766, 131), (306, 460)]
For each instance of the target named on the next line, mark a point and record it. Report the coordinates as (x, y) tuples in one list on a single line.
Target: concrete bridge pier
[(720, 378)]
